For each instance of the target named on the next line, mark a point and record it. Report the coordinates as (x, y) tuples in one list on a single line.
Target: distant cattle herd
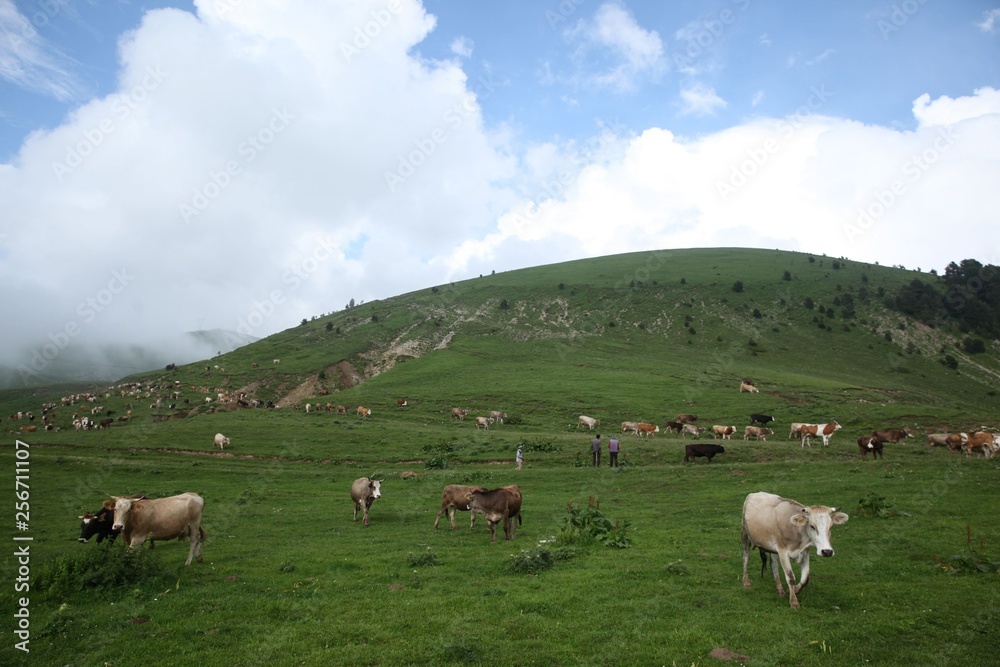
[(139, 519)]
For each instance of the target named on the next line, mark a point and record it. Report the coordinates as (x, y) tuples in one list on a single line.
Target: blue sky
[(251, 164)]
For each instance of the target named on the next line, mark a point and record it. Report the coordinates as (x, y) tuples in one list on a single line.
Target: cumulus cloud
[(989, 22), (700, 100), (947, 111), (627, 52)]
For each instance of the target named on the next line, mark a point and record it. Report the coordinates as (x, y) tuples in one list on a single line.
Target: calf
[(726, 432), (763, 420), (221, 441), (747, 385), (503, 504), (364, 491), (483, 422), (455, 497), (696, 431), (676, 427), (364, 412), (644, 429), (631, 426), (867, 443), (758, 432), (588, 421), (707, 451), (786, 528)]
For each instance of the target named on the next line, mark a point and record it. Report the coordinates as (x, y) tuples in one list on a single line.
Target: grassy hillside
[(289, 579)]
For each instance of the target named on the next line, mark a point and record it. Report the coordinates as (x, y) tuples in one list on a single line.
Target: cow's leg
[(786, 567), (747, 546), (803, 571), (357, 506), (472, 518), (493, 531)]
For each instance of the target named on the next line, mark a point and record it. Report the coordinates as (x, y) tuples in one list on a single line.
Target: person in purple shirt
[(613, 449)]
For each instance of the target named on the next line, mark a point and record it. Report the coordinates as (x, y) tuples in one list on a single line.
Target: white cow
[(221, 441), (588, 421), (364, 491), (161, 519), (787, 528)]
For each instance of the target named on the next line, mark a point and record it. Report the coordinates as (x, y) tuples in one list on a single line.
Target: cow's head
[(122, 508), (817, 521), (375, 488), (88, 526)]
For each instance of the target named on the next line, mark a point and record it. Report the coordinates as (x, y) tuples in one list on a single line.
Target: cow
[(824, 431), (644, 429), (763, 420), (364, 491), (952, 441), (795, 432), (100, 524), (707, 451), (498, 416), (309, 408), (891, 435), (503, 504), (630, 426), (105, 423), (758, 432), (455, 497), (786, 528), (674, 426), (459, 413), (483, 422), (589, 422), (747, 385), (158, 519), (364, 412), (867, 443), (221, 441), (687, 419), (341, 409), (980, 441), (276, 361), (696, 431), (401, 402), (726, 432)]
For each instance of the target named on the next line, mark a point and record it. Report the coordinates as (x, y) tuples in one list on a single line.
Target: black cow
[(708, 451), (99, 524), (867, 443), (761, 419)]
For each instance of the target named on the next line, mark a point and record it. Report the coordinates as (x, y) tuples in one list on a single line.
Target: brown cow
[(867, 443), (456, 496), (503, 504), (645, 429), (980, 441), (726, 432), (952, 441), (891, 435), (674, 426), (459, 413), (364, 412), (747, 385), (758, 432), (401, 402), (687, 419), (483, 422), (824, 431), (161, 519)]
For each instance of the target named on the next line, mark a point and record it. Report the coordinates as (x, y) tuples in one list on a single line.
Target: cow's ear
[(800, 518), (839, 517), (109, 504)]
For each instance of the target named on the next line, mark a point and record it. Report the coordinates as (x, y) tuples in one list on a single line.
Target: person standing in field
[(613, 448), (520, 456), (595, 449)]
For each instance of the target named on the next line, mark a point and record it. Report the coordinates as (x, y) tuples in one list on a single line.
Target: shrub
[(874, 505), (786, 276), (970, 561), (589, 525), (106, 569), (973, 345), (426, 559), (738, 286), (436, 463), (530, 561), (950, 361)]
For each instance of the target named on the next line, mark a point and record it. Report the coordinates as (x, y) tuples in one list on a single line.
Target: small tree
[(738, 286), (787, 275)]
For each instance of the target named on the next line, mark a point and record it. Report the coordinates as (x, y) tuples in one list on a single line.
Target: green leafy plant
[(874, 505), (104, 569), (589, 525), (970, 561), (425, 559)]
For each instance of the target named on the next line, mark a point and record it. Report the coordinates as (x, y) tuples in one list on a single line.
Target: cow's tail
[(202, 534), (519, 518)]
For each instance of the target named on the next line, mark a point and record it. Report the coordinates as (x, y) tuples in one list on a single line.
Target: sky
[(244, 164)]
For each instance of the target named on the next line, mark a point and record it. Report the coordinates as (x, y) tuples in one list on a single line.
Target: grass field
[(289, 579)]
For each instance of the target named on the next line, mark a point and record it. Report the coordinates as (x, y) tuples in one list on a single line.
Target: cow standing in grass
[(364, 491)]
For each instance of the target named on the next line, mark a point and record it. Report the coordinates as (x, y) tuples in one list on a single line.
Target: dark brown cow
[(456, 497), (687, 419), (891, 435), (674, 426), (161, 519), (867, 443), (707, 451), (503, 504)]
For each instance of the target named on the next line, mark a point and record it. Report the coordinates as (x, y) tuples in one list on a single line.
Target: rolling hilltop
[(633, 336)]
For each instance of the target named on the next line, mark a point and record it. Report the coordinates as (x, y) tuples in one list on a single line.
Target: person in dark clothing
[(595, 448), (613, 449)]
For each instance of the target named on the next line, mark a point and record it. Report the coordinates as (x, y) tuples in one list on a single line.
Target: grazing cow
[(747, 385), (644, 429), (105, 423), (675, 426), (456, 497), (952, 441), (309, 408), (631, 426), (364, 491), (221, 441), (101, 524), (763, 420), (498, 416), (459, 413), (341, 409), (687, 419), (29, 429), (980, 441), (158, 519), (707, 451), (276, 361), (589, 422), (795, 432), (824, 431), (891, 435), (786, 528), (483, 422), (401, 402), (503, 504), (867, 443), (364, 412), (696, 431), (725, 431), (758, 432)]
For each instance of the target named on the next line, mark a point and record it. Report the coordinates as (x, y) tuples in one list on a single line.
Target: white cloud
[(628, 53), (989, 22), (29, 61), (700, 100), (758, 97), (462, 47), (947, 111)]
